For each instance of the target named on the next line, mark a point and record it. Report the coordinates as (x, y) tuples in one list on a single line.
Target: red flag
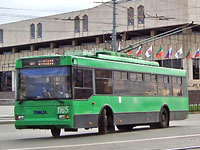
[(129, 52)]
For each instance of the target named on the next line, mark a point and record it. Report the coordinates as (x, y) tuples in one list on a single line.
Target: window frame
[(85, 23), (1, 35), (77, 24), (39, 30), (32, 31), (130, 13), (141, 16)]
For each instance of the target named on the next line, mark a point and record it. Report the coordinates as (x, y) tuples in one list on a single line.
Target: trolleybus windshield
[(44, 83)]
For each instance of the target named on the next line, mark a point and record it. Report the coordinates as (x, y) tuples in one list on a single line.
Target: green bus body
[(124, 109)]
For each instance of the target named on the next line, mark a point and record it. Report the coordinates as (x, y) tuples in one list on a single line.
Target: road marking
[(107, 143), (184, 148)]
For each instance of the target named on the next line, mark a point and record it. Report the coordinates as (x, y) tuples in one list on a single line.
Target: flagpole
[(171, 62), (151, 55), (171, 59)]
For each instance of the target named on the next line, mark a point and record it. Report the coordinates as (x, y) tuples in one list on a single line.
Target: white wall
[(100, 21)]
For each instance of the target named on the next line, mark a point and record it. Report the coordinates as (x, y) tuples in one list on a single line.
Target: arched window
[(77, 24), (85, 23), (1, 35), (39, 30), (131, 16), (32, 28), (140, 14)]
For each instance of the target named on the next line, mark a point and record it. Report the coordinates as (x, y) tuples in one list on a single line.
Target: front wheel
[(103, 122), (55, 132), (106, 122)]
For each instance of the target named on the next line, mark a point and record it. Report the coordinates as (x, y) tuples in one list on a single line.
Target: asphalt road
[(180, 135)]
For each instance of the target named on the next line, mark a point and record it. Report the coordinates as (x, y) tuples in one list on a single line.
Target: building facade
[(91, 29)]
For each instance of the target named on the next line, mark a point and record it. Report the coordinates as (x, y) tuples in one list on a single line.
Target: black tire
[(164, 118), (103, 122), (125, 127), (55, 132)]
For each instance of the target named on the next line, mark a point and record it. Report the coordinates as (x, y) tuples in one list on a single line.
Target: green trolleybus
[(100, 90)]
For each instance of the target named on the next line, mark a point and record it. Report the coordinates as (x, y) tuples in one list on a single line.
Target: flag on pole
[(139, 50), (188, 55), (179, 53), (169, 53), (119, 47), (129, 52), (149, 52), (197, 54), (159, 53)]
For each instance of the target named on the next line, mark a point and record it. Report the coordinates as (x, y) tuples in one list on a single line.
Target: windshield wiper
[(59, 101), (26, 98), (21, 101), (40, 98), (31, 98)]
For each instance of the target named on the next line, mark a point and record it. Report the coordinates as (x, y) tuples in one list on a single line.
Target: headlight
[(20, 117), (62, 117)]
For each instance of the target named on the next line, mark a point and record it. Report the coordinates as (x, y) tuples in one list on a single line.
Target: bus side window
[(83, 83), (117, 75), (124, 75), (103, 81), (78, 74), (132, 76), (87, 78), (136, 83), (139, 76), (177, 86), (150, 85), (184, 86)]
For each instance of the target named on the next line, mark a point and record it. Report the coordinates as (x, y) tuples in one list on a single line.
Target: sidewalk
[(6, 114)]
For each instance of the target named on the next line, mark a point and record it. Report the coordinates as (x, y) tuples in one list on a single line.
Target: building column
[(190, 69), (188, 66), (52, 45), (74, 43), (153, 33), (13, 81), (14, 50), (99, 40), (32, 47)]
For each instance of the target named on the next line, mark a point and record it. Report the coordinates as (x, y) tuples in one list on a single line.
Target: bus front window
[(44, 83)]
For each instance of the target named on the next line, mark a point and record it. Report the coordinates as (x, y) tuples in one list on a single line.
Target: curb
[(7, 102), (4, 119), (6, 122)]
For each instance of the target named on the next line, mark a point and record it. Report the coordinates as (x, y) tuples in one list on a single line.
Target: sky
[(16, 10)]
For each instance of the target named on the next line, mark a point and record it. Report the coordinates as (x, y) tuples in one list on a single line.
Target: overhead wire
[(159, 36)]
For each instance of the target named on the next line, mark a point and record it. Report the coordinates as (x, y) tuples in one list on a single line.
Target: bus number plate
[(62, 109)]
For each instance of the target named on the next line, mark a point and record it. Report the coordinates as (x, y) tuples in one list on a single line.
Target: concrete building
[(91, 29)]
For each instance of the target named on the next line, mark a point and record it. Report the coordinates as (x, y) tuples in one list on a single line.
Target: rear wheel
[(55, 132), (164, 118)]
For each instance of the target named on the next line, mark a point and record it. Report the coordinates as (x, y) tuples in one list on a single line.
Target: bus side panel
[(128, 110)]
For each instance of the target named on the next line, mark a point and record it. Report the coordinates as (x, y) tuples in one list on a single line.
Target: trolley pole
[(114, 37)]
